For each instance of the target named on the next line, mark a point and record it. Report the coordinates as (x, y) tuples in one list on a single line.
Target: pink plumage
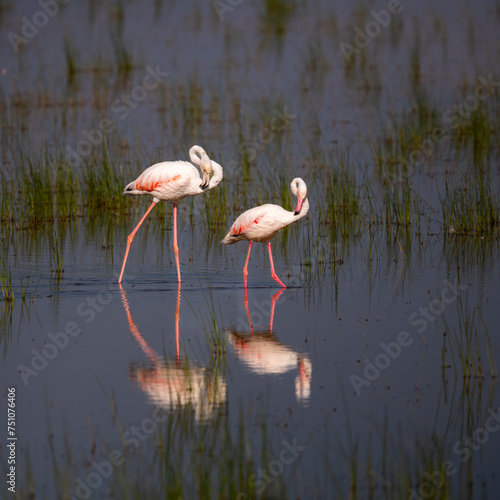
[(173, 181), (261, 224)]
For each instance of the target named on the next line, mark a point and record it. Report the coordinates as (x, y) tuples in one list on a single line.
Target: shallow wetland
[(373, 375)]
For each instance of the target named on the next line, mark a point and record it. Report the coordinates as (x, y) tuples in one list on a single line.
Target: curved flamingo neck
[(217, 177), (199, 155), (194, 152)]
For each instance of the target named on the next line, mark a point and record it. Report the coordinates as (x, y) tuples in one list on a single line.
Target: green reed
[(342, 198), (471, 204), (180, 458), (6, 279), (56, 255), (215, 205), (399, 204), (470, 344), (474, 133)]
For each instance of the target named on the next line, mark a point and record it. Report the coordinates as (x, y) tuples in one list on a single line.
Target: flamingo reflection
[(175, 384), (262, 353)]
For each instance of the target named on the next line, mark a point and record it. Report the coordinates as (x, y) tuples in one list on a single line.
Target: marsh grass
[(462, 249), (6, 318), (342, 199), (474, 133), (43, 187), (217, 460), (56, 255), (395, 466), (215, 205), (24, 285), (399, 204), (213, 332), (6, 279), (179, 458), (470, 344), (470, 205)]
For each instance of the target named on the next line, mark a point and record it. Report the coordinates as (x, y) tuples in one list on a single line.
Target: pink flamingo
[(173, 181), (263, 222)]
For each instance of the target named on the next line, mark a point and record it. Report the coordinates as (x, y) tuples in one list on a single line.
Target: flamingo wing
[(257, 224), (246, 220), (169, 180)]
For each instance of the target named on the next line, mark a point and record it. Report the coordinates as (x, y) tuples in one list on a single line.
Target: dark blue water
[(363, 348)]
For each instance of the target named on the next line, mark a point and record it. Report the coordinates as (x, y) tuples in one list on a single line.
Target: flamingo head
[(206, 168), (299, 189), (199, 157)]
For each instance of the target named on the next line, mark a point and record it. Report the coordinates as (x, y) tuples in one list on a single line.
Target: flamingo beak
[(206, 180), (299, 206)]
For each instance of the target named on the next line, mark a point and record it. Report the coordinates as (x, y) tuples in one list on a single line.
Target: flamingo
[(262, 223), (173, 181)]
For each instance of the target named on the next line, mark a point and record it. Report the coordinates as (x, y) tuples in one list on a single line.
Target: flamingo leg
[(273, 274), (177, 317), (131, 238), (248, 311), (176, 248), (135, 331), (245, 269), (276, 296)]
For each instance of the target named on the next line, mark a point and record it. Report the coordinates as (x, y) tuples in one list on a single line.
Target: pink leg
[(245, 269), (274, 275), (248, 311), (131, 238), (135, 331), (176, 248), (276, 296), (177, 317)]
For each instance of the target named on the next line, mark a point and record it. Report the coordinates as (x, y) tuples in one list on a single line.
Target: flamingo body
[(173, 181), (260, 224), (167, 181)]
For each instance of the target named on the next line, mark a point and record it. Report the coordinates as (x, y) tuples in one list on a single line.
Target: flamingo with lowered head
[(173, 181), (262, 223)]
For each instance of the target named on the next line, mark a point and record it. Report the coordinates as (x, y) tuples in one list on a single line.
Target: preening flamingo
[(262, 223), (173, 181)]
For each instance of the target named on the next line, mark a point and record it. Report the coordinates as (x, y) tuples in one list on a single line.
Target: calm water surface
[(358, 361)]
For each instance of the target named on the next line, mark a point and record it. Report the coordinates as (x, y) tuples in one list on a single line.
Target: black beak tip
[(204, 185), (296, 213)]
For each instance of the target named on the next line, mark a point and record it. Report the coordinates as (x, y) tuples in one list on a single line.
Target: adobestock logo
[(393, 350), (363, 38), (31, 28), (275, 468), (87, 309)]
